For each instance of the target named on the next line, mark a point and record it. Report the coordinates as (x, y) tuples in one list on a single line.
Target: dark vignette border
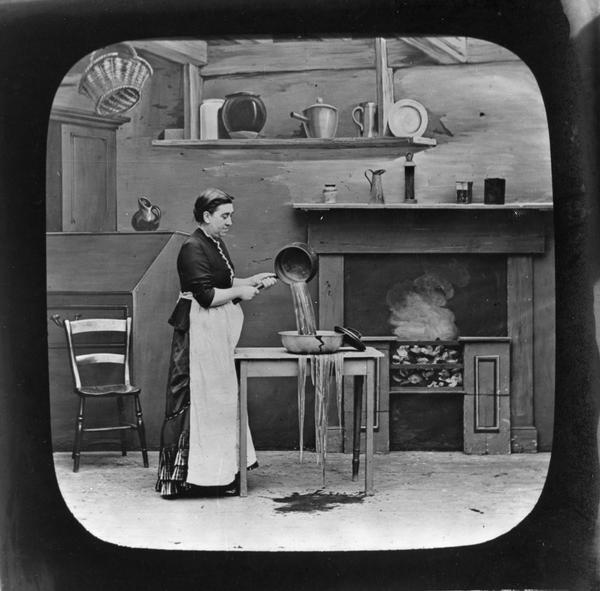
[(44, 547)]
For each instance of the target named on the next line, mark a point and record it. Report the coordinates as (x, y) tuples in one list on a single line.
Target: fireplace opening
[(426, 297), (425, 303)]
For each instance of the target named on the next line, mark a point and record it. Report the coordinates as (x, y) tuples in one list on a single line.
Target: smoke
[(418, 307)]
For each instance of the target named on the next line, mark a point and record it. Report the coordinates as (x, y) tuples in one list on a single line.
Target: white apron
[(214, 416)]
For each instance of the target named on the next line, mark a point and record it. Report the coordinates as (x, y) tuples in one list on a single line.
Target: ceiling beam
[(444, 50), (192, 51)]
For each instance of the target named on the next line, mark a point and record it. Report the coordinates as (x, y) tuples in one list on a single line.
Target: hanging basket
[(114, 81)]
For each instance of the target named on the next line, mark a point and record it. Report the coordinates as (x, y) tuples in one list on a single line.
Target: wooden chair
[(102, 361)]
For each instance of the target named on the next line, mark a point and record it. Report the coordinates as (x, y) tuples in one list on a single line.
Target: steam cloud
[(418, 307)]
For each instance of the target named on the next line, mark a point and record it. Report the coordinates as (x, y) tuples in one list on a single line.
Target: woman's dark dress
[(201, 268)]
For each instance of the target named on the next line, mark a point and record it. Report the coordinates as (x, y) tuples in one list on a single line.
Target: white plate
[(407, 118)]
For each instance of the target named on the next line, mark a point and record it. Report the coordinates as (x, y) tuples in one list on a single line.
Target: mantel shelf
[(541, 206), (346, 143)]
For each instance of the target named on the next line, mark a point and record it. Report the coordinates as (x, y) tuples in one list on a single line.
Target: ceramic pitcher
[(147, 217)]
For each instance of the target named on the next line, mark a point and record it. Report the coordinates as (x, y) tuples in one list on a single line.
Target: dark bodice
[(203, 264)]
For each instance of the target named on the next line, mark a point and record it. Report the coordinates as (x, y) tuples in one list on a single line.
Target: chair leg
[(121, 409), (78, 435), (141, 430)]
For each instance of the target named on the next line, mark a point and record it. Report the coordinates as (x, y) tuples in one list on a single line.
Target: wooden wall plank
[(384, 85), (331, 291), (433, 232), (192, 96), (54, 178), (299, 56), (544, 342), (519, 276)]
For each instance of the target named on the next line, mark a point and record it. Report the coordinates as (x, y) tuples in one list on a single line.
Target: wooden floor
[(422, 500)]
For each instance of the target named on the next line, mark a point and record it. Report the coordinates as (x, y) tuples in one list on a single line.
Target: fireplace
[(467, 273)]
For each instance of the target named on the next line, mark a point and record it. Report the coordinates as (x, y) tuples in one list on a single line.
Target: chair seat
[(108, 390)]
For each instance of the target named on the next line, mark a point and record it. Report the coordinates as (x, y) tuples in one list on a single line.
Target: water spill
[(316, 501), (322, 368), (303, 308)]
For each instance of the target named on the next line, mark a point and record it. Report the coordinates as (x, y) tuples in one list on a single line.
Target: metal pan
[(296, 263)]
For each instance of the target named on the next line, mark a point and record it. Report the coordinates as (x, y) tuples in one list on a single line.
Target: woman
[(199, 438)]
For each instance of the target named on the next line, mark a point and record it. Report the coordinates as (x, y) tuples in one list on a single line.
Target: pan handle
[(259, 287)]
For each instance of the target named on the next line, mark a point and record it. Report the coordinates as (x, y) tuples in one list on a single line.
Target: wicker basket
[(114, 81)]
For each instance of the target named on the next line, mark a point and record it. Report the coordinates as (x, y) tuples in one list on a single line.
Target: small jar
[(329, 194), (464, 191)]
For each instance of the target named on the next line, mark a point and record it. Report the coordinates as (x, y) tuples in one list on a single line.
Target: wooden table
[(264, 362)]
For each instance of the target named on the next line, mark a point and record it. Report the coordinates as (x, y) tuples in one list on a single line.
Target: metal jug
[(376, 194), (365, 117)]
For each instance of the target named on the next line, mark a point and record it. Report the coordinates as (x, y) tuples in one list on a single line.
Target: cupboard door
[(88, 179)]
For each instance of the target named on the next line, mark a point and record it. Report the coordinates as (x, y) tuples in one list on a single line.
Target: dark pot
[(296, 263), (243, 114)]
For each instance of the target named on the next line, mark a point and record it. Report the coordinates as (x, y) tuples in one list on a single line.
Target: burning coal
[(418, 307)]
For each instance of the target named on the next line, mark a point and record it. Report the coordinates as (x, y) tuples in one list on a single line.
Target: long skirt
[(200, 434)]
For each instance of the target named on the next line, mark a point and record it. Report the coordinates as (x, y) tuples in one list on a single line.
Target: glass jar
[(329, 193)]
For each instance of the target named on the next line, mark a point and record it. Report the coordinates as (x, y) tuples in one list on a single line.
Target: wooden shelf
[(426, 366), (319, 206), (418, 143), (415, 390), (309, 148)]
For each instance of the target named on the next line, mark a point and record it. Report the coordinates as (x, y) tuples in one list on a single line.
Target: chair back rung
[(100, 358), (98, 325), (128, 427)]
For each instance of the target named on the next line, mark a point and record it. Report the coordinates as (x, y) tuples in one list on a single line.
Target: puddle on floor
[(316, 501)]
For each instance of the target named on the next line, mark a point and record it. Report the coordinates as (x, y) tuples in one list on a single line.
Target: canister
[(209, 118)]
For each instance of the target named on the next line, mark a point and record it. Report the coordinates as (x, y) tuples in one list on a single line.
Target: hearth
[(443, 272)]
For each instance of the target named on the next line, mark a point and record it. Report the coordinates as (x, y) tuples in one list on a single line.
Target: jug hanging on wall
[(147, 217), (376, 193)]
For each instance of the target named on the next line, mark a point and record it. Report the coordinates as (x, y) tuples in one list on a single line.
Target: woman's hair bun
[(209, 200)]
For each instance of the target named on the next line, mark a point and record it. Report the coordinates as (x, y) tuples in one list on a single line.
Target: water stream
[(323, 366), (303, 308)]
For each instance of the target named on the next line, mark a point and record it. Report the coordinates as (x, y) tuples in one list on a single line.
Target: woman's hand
[(247, 292), (266, 279)]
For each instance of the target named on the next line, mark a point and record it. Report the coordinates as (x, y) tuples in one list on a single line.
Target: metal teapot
[(318, 120)]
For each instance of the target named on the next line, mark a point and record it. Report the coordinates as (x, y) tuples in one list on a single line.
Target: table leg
[(370, 408), (358, 396), (243, 401)]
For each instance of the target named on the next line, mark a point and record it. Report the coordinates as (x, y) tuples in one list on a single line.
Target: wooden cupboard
[(112, 275), (81, 172)]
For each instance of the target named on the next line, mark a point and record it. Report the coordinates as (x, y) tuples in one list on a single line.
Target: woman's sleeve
[(197, 273)]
